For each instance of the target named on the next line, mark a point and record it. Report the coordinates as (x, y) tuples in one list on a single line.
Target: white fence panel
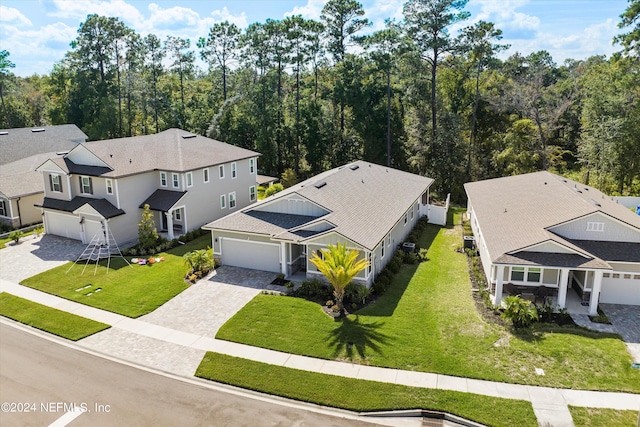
[(438, 214)]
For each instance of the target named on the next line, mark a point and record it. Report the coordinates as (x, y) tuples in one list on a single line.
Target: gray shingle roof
[(20, 178), (162, 200), (167, 150), (552, 260), (611, 251), (364, 201), (516, 212), (103, 206), (20, 143)]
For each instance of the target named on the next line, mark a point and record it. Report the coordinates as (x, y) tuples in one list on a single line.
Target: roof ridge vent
[(4, 132), (38, 130), (189, 135), (354, 167), (320, 184), (595, 203)]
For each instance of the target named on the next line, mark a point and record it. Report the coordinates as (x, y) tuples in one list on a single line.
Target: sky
[(37, 33)]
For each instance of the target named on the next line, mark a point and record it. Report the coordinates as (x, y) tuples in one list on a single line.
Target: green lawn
[(361, 395), (130, 291), (595, 417), (57, 322), (427, 321)]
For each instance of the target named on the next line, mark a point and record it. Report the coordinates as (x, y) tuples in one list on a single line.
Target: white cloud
[(225, 15), (79, 9), (311, 10), (9, 14)]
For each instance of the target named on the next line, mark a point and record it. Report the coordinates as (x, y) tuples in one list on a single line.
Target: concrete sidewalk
[(180, 352)]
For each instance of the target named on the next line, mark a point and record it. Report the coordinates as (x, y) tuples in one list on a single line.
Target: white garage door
[(63, 225), (247, 254), (624, 289), (93, 229)]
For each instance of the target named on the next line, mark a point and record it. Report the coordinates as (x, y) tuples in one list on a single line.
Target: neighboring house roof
[(517, 212), (171, 150), (264, 179), (102, 206), (364, 201), (19, 178), (162, 200), (19, 143)]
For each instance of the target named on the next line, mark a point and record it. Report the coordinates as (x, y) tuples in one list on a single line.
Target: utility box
[(469, 242)]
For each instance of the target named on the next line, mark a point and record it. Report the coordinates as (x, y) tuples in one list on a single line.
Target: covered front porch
[(170, 218), (577, 290)]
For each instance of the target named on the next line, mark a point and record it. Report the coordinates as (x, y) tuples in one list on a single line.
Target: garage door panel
[(620, 290), (249, 254), (63, 225), (93, 229)]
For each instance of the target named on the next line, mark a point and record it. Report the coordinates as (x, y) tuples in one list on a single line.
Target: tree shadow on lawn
[(352, 336)]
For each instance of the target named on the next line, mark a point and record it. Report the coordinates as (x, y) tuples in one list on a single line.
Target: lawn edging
[(48, 319), (361, 395)]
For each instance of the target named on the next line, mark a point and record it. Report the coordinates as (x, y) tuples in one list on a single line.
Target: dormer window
[(595, 226), (54, 183), (86, 186)]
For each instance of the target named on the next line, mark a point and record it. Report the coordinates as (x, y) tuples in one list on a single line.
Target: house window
[(176, 182), (177, 215), (163, 179), (405, 219), (533, 275), (389, 240), (189, 179), (320, 254), (234, 172), (411, 214), (517, 274), (616, 276), (109, 186), (223, 202), (3, 208), (205, 175), (627, 276), (56, 185), (232, 200), (86, 186), (252, 166), (595, 226), (382, 248), (252, 193), (605, 275), (221, 171), (370, 264)]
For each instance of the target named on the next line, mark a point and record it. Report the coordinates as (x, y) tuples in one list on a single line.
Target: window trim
[(177, 214), (55, 176), (163, 178), (519, 270), (252, 193), (232, 199), (175, 180), (189, 179), (3, 208), (109, 186), (223, 201), (234, 170), (221, 171), (82, 185), (205, 175), (534, 270)]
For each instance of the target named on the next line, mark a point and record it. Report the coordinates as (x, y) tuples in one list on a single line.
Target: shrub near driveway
[(427, 321), (130, 291)]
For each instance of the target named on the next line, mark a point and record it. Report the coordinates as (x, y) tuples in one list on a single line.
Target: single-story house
[(22, 150), (368, 207), (187, 180), (542, 230)]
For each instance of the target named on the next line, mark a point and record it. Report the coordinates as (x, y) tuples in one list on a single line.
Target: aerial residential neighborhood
[(320, 212)]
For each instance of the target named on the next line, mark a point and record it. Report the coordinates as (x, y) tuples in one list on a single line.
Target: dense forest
[(310, 95)]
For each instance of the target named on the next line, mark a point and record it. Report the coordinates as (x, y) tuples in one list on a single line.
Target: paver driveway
[(626, 320), (204, 307), (34, 255)]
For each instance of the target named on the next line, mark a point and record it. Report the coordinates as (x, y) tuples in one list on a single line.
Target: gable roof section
[(167, 150), (20, 143), (20, 178), (364, 202), (162, 200), (517, 212), (102, 206)]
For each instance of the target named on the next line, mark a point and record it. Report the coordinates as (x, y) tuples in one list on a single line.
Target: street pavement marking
[(67, 418)]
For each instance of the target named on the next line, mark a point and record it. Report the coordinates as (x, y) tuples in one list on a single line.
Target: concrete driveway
[(204, 307), (34, 255), (626, 320)]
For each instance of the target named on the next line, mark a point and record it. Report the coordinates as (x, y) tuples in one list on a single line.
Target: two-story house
[(187, 180)]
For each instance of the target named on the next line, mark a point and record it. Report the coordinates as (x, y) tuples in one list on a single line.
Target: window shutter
[(60, 182), (90, 186), (80, 179), (50, 182)]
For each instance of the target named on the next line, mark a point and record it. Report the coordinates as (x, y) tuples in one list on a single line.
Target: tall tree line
[(310, 95)]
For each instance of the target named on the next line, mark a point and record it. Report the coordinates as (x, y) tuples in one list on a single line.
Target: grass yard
[(596, 417), (57, 322), (130, 291), (361, 395), (427, 321)]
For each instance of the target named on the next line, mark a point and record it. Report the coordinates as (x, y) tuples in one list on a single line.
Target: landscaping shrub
[(422, 255), (410, 258), (16, 236), (313, 289), (520, 312), (381, 284), (275, 188)]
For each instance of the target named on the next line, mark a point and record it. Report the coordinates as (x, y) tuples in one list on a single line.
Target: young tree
[(147, 232), (340, 266)]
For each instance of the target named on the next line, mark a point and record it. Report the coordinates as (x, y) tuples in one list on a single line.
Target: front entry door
[(163, 215)]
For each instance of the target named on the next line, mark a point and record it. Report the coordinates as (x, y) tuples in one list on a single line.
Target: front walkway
[(180, 352)]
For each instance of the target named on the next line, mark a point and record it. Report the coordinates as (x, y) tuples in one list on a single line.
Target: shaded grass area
[(427, 321), (129, 291), (361, 395), (54, 321), (598, 417)]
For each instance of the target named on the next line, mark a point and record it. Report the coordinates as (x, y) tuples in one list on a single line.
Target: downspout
[(19, 216)]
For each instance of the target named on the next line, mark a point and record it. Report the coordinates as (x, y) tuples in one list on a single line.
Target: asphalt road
[(47, 379)]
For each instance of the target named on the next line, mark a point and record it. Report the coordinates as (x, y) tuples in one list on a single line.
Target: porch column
[(283, 257), (562, 287), (169, 224), (500, 276), (595, 293)]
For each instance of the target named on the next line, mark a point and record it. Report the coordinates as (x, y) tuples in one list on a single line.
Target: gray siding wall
[(132, 191), (614, 231)]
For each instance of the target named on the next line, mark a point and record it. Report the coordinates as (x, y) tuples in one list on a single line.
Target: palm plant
[(339, 265), (199, 260), (520, 312)]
